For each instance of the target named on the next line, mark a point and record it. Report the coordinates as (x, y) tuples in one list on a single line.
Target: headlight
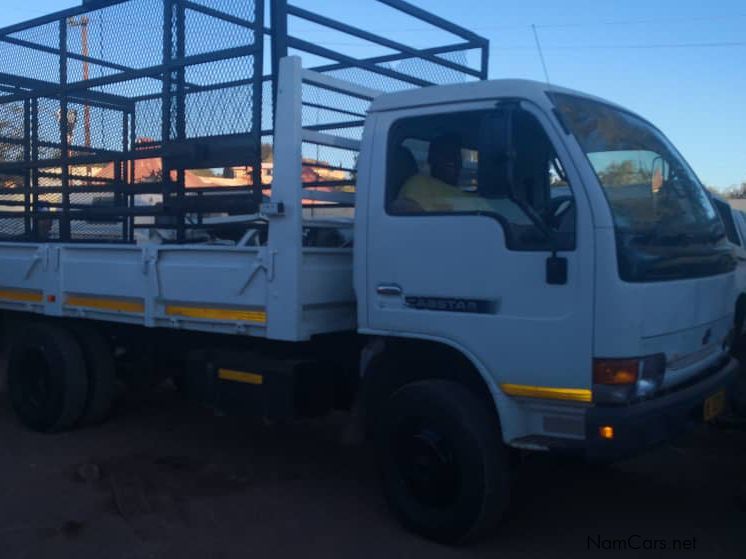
[(621, 381)]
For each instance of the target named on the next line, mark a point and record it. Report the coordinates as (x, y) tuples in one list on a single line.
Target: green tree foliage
[(737, 191), (624, 173)]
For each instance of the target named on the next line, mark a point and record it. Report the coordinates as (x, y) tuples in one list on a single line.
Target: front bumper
[(647, 424)]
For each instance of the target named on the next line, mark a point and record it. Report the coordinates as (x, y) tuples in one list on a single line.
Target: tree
[(624, 173), (736, 191), (267, 153)]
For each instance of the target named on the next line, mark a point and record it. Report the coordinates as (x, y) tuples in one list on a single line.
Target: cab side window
[(498, 163)]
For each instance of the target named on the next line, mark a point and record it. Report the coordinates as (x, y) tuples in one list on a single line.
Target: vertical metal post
[(27, 170), (174, 104), (258, 97), (485, 61), (35, 169), (167, 57), (179, 73), (123, 167), (64, 221), (279, 27), (166, 100), (131, 176), (286, 232)]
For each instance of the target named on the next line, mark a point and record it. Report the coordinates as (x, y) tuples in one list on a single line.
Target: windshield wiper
[(679, 239)]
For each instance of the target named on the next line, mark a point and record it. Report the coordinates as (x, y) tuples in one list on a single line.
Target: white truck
[(511, 265)]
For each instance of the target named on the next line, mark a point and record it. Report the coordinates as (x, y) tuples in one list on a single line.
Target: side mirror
[(556, 270)]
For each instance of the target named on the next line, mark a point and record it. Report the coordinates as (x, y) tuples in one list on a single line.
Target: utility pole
[(83, 22)]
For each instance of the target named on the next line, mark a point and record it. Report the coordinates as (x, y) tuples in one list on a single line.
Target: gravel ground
[(165, 479)]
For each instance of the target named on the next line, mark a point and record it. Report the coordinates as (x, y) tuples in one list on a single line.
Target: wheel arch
[(388, 363), (739, 319), (740, 311)]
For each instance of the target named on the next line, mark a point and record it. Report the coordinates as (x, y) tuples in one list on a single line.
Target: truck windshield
[(666, 225)]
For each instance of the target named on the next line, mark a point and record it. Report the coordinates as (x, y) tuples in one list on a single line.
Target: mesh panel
[(8, 181), (220, 111), (47, 35), (220, 72), (128, 34), (12, 228), (12, 117), (147, 122), (205, 33), (49, 113), (95, 127), (168, 117), (113, 120), (30, 63), (243, 9), (11, 151)]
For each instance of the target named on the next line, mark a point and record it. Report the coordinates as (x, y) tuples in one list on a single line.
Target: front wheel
[(738, 392), (444, 467)]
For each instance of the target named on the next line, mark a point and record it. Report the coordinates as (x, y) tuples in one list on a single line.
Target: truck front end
[(664, 284)]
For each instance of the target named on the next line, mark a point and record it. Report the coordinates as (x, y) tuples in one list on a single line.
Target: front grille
[(699, 377)]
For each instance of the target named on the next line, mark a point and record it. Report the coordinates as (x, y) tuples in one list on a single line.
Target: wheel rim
[(426, 464), (33, 382)]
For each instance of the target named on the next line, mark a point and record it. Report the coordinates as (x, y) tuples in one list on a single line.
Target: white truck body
[(512, 264), (541, 338)]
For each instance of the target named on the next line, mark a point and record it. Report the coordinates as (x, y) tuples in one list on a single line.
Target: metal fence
[(124, 116)]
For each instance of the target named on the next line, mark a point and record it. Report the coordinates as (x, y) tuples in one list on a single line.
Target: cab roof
[(473, 91)]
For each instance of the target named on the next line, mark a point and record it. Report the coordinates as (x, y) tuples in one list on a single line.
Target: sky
[(679, 63)]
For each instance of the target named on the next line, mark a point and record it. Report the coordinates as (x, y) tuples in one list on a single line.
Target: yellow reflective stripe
[(21, 296), (207, 313), (571, 394), (105, 304), (239, 376)]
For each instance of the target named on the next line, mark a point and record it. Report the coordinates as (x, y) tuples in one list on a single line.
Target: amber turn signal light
[(615, 371), (606, 432)]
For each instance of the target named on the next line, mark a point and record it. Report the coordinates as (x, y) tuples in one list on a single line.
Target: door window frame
[(555, 139)]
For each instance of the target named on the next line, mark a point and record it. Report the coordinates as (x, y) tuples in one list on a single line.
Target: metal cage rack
[(121, 116)]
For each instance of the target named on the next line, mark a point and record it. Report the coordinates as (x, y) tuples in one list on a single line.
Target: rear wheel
[(101, 374), (47, 380), (444, 467)]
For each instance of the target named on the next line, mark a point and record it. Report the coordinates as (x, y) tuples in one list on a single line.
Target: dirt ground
[(165, 479)]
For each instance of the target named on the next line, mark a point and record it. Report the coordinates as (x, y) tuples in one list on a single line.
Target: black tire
[(738, 323), (738, 392), (101, 374), (47, 380), (444, 467)]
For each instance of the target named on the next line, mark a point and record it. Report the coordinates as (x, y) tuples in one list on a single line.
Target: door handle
[(389, 289)]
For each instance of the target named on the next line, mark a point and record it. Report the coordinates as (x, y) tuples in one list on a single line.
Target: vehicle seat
[(402, 168)]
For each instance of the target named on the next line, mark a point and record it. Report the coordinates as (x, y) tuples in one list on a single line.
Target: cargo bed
[(282, 280), (200, 174)]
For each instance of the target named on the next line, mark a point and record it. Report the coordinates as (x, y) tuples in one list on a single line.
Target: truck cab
[(575, 262)]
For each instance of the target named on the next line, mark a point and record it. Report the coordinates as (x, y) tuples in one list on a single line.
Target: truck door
[(490, 250), (734, 229)]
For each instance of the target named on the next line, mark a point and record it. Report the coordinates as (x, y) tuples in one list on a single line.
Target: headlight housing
[(622, 381)]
